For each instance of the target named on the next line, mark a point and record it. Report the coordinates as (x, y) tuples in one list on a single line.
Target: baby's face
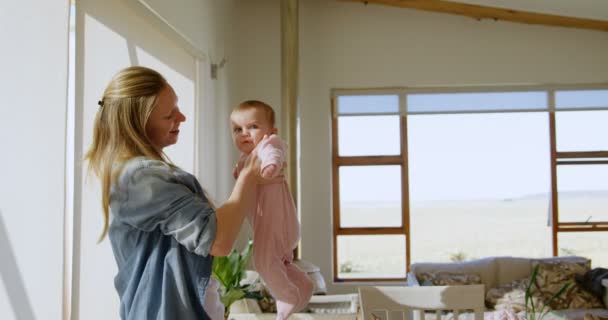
[(249, 127)]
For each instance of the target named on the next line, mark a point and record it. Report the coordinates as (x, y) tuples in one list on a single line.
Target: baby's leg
[(273, 270), (300, 287), (305, 286), (284, 309)]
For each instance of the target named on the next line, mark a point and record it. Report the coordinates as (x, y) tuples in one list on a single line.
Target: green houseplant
[(229, 271), (535, 312)]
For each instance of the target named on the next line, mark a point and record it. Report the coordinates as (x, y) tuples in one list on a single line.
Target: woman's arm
[(231, 215)]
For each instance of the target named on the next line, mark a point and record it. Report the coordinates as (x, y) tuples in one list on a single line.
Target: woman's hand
[(251, 168)]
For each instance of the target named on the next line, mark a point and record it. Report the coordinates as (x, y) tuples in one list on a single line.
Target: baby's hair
[(256, 104)]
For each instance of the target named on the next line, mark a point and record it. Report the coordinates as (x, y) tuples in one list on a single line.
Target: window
[(474, 178), (368, 171), (580, 171), (421, 175)]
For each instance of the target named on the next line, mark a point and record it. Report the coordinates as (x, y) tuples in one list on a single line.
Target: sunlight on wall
[(182, 153), (115, 36)]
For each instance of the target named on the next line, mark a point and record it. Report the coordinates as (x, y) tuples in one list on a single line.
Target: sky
[(471, 156)]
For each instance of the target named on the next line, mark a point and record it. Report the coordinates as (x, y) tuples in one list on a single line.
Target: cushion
[(584, 262), (592, 316), (447, 279), (514, 268), (514, 301), (484, 268), (509, 269), (579, 314), (552, 276), (509, 296)]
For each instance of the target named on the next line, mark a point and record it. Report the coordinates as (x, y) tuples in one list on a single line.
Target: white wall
[(208, 25), (255, 67), (32, 166), (350, 45)]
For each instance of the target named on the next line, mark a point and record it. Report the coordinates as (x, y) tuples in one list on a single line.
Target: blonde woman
[(164, 231)]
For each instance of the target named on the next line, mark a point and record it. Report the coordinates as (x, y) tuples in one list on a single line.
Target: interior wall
[(351, 45), (115, 34), (207, 26), (255, 67), (32, 165)]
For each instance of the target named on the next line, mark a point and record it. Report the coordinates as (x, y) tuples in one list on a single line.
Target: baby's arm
[(272, 152), (269, 171)]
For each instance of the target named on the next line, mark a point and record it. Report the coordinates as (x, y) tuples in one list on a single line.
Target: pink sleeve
[(272, 151)]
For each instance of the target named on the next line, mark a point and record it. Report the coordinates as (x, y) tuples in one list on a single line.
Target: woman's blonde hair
[(119, 132)]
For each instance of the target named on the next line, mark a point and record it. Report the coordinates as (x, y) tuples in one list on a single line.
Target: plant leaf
[(559, 293), (231, 296), (219, 270), (229, 271), (528, 293), (246, 256)]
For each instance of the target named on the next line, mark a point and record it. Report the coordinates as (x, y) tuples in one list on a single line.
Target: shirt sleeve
[(272, 151), (155, 198)]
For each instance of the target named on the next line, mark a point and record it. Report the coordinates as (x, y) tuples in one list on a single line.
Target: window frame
[(556, 158), (339, 161)]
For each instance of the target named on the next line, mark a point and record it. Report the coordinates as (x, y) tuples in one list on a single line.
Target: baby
[(276, 230)]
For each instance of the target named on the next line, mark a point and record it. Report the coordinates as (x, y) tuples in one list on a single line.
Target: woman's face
[(162, 127)]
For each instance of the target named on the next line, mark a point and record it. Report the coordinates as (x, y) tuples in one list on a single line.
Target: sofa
[(505, 280)]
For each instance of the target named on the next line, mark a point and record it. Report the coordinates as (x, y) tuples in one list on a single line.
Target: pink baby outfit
[(276, 233)]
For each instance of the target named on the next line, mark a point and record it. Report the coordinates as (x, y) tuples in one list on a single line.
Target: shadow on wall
[(133, 34), (13, 282)]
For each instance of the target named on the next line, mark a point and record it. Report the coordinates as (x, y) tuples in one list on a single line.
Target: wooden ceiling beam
[(495, 13)]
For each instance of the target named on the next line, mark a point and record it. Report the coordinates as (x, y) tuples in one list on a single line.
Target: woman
[(164, 231)]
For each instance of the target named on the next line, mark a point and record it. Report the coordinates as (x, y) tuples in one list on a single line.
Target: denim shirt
[(162, 229)]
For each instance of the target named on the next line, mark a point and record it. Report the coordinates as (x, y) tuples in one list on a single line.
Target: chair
[(406, 303)]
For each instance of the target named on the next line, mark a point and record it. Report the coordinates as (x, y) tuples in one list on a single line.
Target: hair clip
[(100, 103)]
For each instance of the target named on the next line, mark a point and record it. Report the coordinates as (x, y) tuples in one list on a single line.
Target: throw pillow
[(509, 296), (515, 301), (552, 276), (447, 279)]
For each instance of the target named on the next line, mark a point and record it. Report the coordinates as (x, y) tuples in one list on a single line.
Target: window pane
[(479, 185), (479, 101), (368, 104), (581, 99), (582, 193), (592, 245), (369, 135), (581, 130), (370, 196), (381, 256)]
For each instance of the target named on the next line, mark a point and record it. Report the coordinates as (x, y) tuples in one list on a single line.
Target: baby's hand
[(269, 171)]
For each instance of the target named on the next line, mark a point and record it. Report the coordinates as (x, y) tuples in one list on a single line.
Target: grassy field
[(443, 231)]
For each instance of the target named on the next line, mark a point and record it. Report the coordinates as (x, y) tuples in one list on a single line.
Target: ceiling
[(583, 14), (590, 9)]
